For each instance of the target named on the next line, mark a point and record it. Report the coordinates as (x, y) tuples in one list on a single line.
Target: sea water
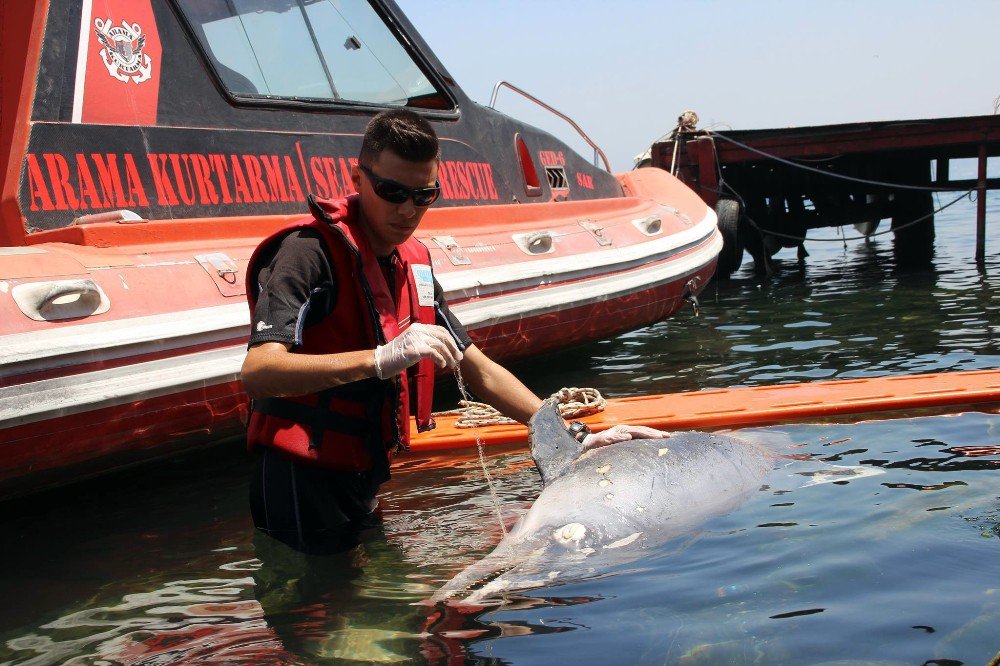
[(161, 564)]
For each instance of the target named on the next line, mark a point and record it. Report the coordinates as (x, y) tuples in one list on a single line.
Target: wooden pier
[(771, 186)]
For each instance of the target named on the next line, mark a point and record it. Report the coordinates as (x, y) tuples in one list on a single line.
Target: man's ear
[(356, 176)]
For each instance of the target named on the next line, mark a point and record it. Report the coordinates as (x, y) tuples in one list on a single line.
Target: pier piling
[(981, 205)]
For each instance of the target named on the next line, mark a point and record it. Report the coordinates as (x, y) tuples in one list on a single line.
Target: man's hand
[(621, 433), (418, 342)]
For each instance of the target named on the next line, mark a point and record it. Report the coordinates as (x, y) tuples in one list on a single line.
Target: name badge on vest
[(424, 280)]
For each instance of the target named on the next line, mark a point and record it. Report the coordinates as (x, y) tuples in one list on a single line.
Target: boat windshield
[(338, 50)]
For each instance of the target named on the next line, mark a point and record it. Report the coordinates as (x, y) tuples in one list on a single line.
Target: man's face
[(387, 224)]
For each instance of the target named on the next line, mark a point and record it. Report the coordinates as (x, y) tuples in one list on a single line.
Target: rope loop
[(577, 402)]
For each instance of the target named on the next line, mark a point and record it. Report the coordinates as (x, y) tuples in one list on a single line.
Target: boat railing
[(597, 150)]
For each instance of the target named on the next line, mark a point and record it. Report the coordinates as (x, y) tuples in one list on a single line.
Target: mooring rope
[(791, 163), (842, 239), (686, 121), (847, 238)]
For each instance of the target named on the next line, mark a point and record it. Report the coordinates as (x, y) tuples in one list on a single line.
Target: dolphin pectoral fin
[(834, 473), (805, 473), (552, 447)]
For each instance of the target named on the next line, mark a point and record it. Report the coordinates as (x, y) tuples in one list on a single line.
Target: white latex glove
[(417, 342), (621, 433)]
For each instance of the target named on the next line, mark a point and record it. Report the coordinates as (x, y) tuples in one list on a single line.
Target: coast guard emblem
[(122, 53)]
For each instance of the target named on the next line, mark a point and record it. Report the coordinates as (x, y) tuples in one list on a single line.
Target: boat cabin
[(170, 109)]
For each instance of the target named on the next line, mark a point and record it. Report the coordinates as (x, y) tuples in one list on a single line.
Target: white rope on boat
[(573, 403)]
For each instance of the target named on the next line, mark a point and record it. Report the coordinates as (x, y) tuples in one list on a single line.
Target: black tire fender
[(731, 257)]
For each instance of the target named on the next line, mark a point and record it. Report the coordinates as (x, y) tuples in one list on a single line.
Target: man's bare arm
[(271, 370), (497, 386)]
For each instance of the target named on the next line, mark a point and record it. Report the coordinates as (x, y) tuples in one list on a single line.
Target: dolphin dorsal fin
[(552, 447)]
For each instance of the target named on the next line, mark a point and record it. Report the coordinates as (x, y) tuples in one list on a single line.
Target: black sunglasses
[(398, 193)]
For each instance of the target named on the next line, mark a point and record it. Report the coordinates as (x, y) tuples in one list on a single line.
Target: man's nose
[(407, 209)]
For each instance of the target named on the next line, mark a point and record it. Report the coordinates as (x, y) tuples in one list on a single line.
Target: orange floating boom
[(756, 405)]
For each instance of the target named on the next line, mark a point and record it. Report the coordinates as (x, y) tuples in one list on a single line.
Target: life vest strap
[(318, 419), (362, 390)]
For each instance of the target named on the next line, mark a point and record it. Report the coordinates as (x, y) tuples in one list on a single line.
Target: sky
[(625, 70)]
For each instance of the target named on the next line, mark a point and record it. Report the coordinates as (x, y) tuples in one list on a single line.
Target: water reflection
[(332, 607), (750, 584), (368, 605), (285, 608), (955, 459), (208, 620), (454, 629)]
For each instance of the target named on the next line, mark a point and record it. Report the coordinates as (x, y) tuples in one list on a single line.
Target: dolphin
[(605, 506)]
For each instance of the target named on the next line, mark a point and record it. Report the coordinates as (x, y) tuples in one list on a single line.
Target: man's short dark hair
[(403, 132)]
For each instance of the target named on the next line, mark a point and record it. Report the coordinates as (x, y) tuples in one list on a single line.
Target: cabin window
[(335, 50)]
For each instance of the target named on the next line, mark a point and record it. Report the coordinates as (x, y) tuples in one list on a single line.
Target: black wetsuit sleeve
[(450, 321), (295, 287)]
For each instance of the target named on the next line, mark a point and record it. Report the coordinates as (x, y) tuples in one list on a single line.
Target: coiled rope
[(574, 403)]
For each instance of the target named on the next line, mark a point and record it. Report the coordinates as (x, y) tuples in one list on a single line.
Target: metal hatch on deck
[(225, 273), (452, 250)]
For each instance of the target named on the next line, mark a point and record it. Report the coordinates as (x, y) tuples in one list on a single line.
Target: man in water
[(348, 328)]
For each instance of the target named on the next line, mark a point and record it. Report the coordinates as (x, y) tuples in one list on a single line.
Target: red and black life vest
[(353, 427)]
